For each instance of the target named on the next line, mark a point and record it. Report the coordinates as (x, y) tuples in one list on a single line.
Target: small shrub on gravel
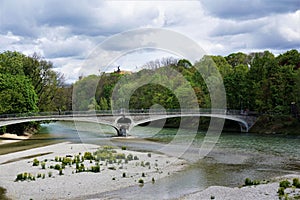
[(284, 184)]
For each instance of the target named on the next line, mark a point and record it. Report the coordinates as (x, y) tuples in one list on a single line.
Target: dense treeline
[(259, 82), (28, 84)]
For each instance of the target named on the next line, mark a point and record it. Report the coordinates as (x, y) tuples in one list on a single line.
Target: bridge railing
[(127, 112)]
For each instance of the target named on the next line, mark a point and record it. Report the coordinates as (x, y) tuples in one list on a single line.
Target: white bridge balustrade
[(124, 120)]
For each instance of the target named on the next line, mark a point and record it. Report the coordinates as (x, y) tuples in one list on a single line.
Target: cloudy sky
[(67, 32)]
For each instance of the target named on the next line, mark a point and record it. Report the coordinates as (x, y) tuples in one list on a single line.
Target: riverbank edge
[(268, 191), (276, 124)]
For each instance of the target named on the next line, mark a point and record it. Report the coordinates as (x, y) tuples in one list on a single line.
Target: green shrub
[(149, 155), (124, 175), (256, 182), (49, 174), (57, 167), (61, 172), (88, 156), (141, 181), (56, 158), (281, 191), (120, 156), (36, 162), (296, 182), (66, 161), (80, 168), (20, 177), (39, 175), (135, 158), (153, 180), (143, 174), (123, 148), (43, 164), (129, 157), (248, 182), (147, 163), (284, 184), (31, 177), (95, 168), (43, 176)]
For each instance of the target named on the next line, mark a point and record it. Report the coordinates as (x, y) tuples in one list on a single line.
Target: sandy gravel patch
[(73, 184), (261, 192)]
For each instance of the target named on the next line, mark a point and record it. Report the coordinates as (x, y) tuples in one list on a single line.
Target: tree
[(17, 94)]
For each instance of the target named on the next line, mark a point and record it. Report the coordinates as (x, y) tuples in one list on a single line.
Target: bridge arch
[(243, 124), (71, 119)]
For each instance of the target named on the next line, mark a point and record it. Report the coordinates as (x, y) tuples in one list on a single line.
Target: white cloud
[(65, 32)]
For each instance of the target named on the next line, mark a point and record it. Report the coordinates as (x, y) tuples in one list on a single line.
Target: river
[(235, 156)]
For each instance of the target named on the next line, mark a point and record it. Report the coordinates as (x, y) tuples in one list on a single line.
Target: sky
[(68, 32)]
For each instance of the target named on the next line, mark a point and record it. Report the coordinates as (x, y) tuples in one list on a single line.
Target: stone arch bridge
[(124, 120)]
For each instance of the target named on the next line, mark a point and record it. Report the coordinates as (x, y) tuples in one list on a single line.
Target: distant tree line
[(259, 82)]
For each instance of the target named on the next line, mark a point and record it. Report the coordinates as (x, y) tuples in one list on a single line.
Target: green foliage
[(57, 167), (43, 165), (88, 156), (25, 176), (66, 161), (284, 184), (296, 182), (49, 174), (123, 147), (95, 168), (129, 157), (141, 181), (35, 162), (248, 182), (281, 191)]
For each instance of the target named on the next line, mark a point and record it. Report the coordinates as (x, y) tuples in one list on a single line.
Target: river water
[(235, 156)]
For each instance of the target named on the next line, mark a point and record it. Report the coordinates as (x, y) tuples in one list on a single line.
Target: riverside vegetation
[(106, 157), (258, 81)]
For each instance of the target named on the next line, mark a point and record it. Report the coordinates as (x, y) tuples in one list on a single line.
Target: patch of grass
[(141, 181), (36, 162), (57, 167), (281, 191), (296, 182), (95, 168), (284, 184), (249, 182), (43, 165)]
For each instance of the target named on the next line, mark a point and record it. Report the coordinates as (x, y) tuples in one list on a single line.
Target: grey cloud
[(249, 9)]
